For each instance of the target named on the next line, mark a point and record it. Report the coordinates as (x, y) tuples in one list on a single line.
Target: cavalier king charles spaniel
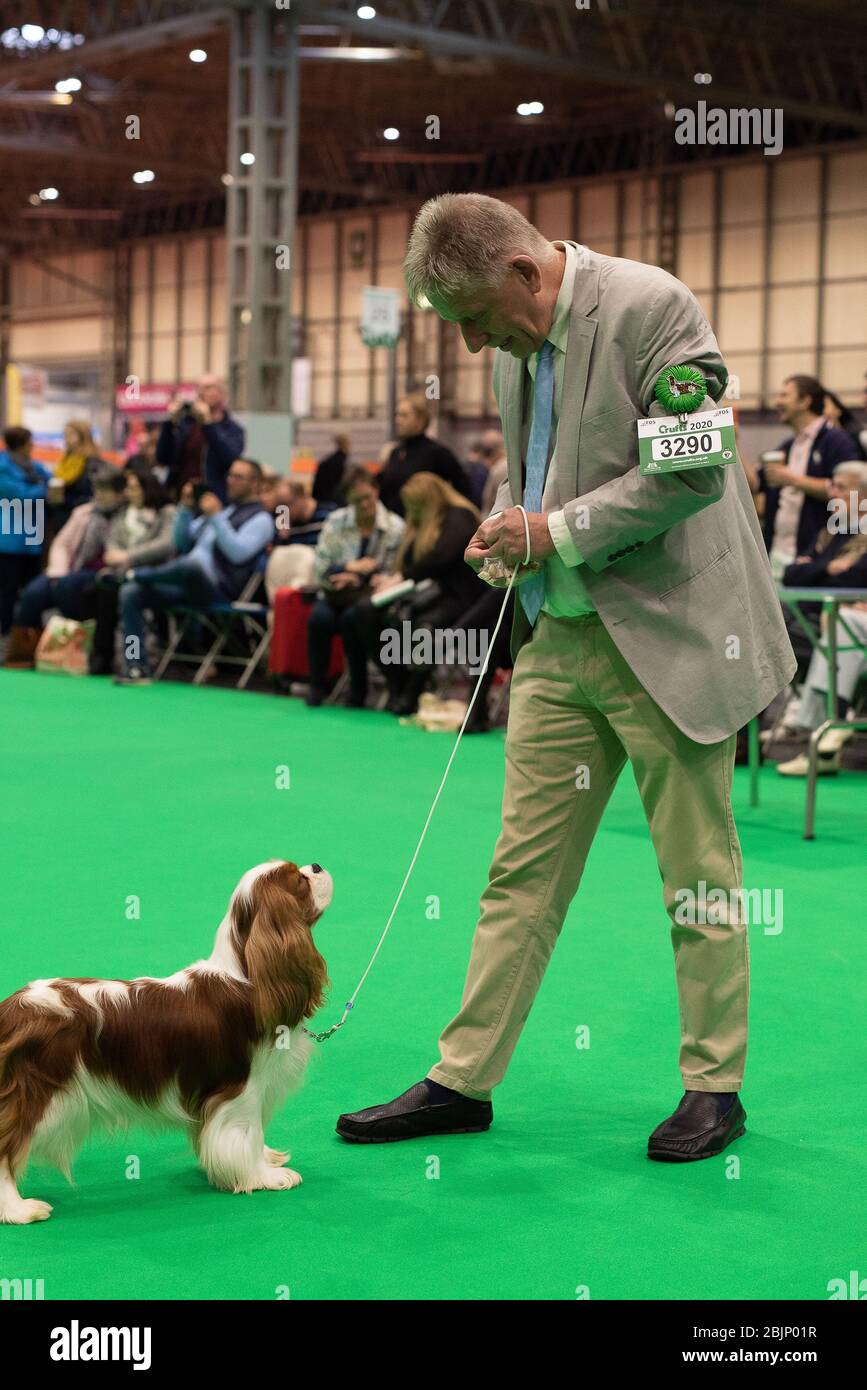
[(213, 1049)]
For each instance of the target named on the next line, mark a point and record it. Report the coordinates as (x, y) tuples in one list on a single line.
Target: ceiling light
[(32, 33), (68, 84), (144, 176), (366, 12), (48, 194), (248, 158), (198, 55), (391, 132), (530, 108)]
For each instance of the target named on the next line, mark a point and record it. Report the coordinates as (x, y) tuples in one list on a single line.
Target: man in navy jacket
[(797, 491), (200, 439)]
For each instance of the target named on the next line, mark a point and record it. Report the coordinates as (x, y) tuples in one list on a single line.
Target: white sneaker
[(791, 720), (834, 740), (826, 766)]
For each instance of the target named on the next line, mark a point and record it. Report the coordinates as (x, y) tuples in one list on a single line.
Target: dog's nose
[(317, 868)]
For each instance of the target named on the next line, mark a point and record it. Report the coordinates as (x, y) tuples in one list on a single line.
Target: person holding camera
[(200, 439)]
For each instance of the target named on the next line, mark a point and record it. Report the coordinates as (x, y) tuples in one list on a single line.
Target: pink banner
[(151, 398)]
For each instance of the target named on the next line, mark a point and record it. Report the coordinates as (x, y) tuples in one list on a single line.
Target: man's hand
[(380, 582), (841, 563), (366, 565), (202, 412), (779, 474), (210, 504), (504, 537)]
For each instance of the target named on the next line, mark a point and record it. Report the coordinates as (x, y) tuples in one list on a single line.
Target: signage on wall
[(150, 397), (380, 316)]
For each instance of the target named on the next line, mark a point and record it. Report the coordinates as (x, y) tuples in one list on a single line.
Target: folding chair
[(222, 620)]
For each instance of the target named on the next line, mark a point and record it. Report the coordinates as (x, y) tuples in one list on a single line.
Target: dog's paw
[(275, 1157), (278, 1179), (26, 1210)]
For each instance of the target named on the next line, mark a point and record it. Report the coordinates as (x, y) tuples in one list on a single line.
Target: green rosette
[(680, 390)]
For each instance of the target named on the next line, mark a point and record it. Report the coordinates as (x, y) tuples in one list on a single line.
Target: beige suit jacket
[(675, 563)]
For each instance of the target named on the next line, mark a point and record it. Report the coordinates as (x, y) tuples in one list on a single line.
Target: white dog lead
[(350, 1003)]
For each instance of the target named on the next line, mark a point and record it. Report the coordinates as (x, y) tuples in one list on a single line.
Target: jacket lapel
[(582, 331)]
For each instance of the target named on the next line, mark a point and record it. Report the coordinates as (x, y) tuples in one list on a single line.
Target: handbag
[(65, 646)]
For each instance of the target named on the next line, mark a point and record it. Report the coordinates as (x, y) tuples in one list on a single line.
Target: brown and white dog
[(213, 1049)]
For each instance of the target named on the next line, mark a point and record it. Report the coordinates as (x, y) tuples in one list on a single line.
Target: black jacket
[(328, 482), (224, 442), (460, 585), (419, 454), (830, 546), (830, 447)]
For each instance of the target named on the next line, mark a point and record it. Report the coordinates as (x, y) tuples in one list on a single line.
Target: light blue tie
[(532, 591)]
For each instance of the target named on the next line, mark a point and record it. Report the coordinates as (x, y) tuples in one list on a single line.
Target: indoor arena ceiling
[(610, 78)]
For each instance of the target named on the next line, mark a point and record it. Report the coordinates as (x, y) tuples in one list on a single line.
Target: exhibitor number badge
[(671, 442)]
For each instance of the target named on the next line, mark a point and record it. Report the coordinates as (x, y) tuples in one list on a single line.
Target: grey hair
[(461, 243), (854, 467)]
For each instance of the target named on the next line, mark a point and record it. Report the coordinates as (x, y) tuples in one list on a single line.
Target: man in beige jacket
[(651, 633)]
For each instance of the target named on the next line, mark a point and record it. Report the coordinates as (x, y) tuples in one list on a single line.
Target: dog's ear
[(286, 971)]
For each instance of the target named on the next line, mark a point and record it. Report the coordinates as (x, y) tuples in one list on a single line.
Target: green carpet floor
[(169, 793)]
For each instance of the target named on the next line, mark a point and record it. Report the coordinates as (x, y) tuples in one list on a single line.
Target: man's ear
[(529, 271)]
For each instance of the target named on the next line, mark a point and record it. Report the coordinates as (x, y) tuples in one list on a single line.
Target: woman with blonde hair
[(439, 524), (72, 480)]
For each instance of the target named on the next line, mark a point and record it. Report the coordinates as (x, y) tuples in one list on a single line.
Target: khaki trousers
[(577, 713)]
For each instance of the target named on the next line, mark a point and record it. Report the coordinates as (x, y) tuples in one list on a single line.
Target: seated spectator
[(219, 551), (479, 623), (416, 452), (299, 520), (77, 553), (493, 453), (837, 558), (477, 473), (439, 524), (74, 472), (200, 439), (144, 453), (23, 488), (812, 708), (838, 414), (299, 516), (271, 491), (357, 542), (329, 484), (140, 533), (796, 490)]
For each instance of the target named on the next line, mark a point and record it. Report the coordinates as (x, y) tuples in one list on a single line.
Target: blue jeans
[(42, 593), (177, 582)]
